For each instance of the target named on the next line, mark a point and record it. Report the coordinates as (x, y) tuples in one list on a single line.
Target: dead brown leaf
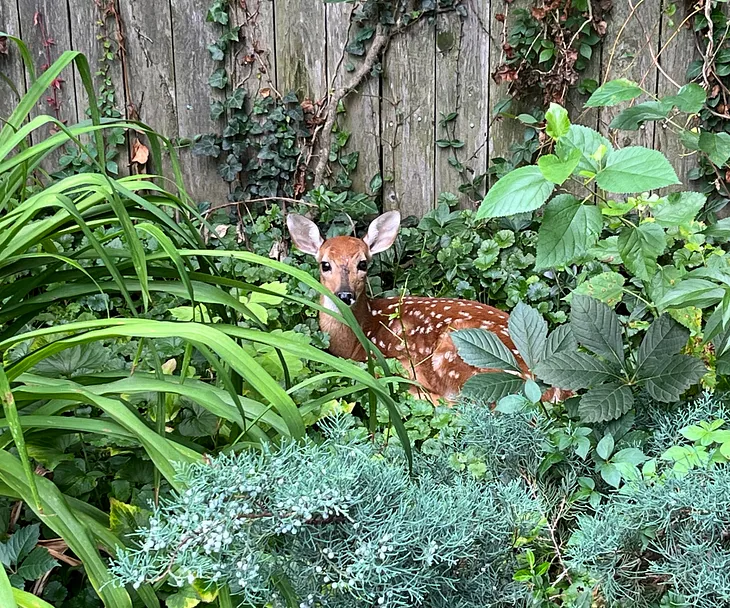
[(140, 153)]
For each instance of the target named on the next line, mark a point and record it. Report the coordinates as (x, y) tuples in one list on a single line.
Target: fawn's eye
[(362, 265), (326, 266)]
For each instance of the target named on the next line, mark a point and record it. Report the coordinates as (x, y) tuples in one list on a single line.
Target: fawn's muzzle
[(347, 297)]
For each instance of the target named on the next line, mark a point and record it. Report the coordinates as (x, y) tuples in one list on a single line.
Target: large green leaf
[(614, 92), (690, 98), (640, 247), (678, 208), (528, 331), (591, 144), (556, 169), (607, 287), (605, 402), (521, 190), (573, 370), (636, 169), (36, 564), (568, 230), (665, 337), (692, 292), (666, 378), (491, 387), (596, 327), (557, 121), (632, 118), (716, 146), (483, 349), (560, 339)]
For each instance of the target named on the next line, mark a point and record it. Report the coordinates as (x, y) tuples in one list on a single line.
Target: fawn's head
[(343, 260)]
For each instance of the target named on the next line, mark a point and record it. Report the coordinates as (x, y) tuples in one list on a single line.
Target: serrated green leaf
[(596, 327), (636, 169), (19, 544), (640, 247), (614, 92), (605, 402), (568, 230), (678, 208), (632, 118), (667, 378), (560, 339), (690, 98), (573, 370), (483, 349), (606, 287), (716, 146), (36, 564), (605, 446), (664, 337), (491, 387), (556, 169), (524, 189), (557, 121), (528, 331), (588, 142)]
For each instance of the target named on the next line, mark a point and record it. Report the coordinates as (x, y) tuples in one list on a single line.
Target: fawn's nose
[(347, 297)]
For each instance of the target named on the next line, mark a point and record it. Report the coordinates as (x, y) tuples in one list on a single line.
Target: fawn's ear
[(382, 232), (304, 233)]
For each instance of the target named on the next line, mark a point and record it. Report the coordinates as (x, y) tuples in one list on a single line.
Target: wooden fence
[(435, 68)]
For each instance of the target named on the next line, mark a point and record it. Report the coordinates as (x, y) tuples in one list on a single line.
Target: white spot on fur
[(465, 314), (438, 325), (447, 307), (439, 316)]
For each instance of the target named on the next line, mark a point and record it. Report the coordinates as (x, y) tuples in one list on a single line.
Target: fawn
[(414, 330)]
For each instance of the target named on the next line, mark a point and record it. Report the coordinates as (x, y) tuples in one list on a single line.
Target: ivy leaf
[(216, 52), (636, 169), (230, 168), (716, 146), (614, 92), (36, 564), (217, 110), (666, 378), (560, 339), (605, 402), (640, 247), (690, 98), (528, 331), (207, 145), (678, 208), (491, 387), (607, 287), (483, 349), (664, 337), (557, 121), (632, 118), (568, 230), (236, 99), (595, 326), (218, 79), (556, 169), (589, 142), (524, 189), (573, 370)]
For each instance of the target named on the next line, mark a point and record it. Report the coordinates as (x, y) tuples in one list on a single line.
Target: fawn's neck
[(343, 342)]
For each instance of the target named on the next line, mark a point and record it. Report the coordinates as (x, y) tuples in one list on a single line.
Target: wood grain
[(408, 121), (192, 66), (362, 107), (11, 64), (462, 86)]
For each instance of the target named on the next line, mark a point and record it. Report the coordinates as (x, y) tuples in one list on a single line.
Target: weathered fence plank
[(362, 116), (462, 86), (10, 62), (47, 33), (677, 52), (407, 121), (301, 54), (253, 65), (503, 132), (193, 65), (151, 68), (629, 51)]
